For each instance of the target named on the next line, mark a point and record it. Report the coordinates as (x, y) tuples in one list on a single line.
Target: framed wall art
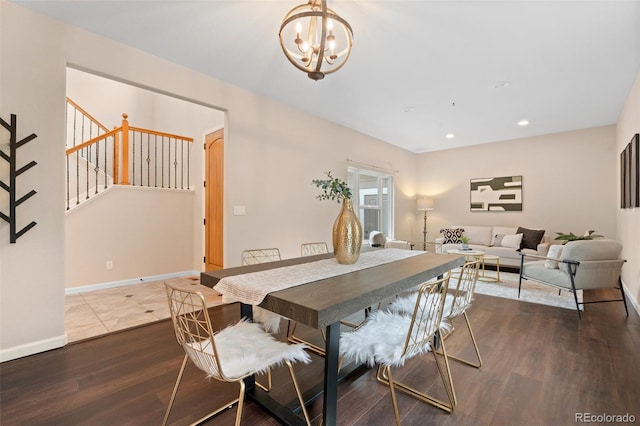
[(497, 194), (630, 174)]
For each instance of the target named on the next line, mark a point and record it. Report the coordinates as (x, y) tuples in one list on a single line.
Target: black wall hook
[(14, 172)]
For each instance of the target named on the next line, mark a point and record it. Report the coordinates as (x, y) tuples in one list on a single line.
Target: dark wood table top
[(324, 302)]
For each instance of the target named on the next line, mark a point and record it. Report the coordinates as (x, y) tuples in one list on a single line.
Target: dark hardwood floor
[(542, 365)]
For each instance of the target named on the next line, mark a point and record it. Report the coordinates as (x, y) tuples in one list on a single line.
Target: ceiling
[(418, 69)]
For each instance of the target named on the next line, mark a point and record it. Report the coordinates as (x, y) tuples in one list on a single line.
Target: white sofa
[(483, 238)]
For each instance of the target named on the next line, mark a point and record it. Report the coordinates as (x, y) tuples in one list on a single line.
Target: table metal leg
[(246, 311), (329, 412)]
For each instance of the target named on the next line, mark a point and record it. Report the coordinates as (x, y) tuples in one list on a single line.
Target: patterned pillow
[(452, 236)]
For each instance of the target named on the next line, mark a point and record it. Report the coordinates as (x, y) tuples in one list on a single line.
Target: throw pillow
[(555, 251), (452, 236), (530, 237), (512, 241), (497, 240)]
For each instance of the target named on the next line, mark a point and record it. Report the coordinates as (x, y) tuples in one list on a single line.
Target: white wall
[(273, 180), (272, 153), (108, 99), (569, 182), (32, 77), (143, 231), (628, 220)]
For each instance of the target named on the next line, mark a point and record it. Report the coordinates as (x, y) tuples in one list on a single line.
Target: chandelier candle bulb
[(320, 41)]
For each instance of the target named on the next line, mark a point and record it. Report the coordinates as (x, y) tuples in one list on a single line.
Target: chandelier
[(315, 39)]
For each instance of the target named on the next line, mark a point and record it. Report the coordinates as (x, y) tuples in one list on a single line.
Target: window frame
[(385, 188)]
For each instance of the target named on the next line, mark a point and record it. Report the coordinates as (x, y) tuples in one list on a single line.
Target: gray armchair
[(582, 265)]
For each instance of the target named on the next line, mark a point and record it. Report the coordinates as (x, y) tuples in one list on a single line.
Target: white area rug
[(532, 292)]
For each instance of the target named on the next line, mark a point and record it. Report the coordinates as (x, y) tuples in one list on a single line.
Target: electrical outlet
[(109, 264)]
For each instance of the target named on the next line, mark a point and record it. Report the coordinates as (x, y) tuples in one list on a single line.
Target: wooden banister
[(116, 157), (70, 151), (89, 116), (113, 145), (156, 133), (125, 150)]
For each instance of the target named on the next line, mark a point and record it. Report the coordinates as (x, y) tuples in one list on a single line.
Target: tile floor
[(99, 312)]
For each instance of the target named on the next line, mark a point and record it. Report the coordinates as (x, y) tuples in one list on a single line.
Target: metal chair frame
[(572, 270), (424, 330), (194, 333), (255, 256), (461, 300), (310, 249)]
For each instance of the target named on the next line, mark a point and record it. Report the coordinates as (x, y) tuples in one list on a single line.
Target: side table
[(468, 254), (483, 277)]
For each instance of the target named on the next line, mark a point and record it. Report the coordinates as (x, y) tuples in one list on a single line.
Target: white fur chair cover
[(405, 304), (270, 321), (243, 348), (381, 340)]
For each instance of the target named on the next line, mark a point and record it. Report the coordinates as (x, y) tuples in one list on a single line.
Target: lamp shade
[(425, 203)]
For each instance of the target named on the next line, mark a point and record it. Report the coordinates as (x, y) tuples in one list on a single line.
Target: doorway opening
[(135, 231)]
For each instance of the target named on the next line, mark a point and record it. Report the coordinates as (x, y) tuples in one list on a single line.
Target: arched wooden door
[(214, 191)]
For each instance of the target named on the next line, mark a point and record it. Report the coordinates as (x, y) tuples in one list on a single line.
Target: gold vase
[(347, 235)]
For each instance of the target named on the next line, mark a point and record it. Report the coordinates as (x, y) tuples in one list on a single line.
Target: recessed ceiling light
[(501, 84), (408, 109), (523, 123), (450, 136)]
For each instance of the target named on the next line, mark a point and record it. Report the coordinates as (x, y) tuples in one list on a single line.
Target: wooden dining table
[(323, 303)]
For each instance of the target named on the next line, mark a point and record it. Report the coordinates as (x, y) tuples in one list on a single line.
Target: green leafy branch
[(332, 188), (589, 235)]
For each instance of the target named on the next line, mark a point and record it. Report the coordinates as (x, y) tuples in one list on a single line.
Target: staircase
[(97, 158)]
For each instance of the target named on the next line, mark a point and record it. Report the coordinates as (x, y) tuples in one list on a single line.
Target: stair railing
[(159, 160), (111, 157)]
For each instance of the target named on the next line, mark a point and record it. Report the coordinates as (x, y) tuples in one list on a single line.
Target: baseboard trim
[(112, 284), (630, 298), (33, 348)]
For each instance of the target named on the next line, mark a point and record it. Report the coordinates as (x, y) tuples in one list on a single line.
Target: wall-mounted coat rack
[(14, 172)]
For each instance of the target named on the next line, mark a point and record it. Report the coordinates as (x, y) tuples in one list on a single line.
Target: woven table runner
[(252, 288)]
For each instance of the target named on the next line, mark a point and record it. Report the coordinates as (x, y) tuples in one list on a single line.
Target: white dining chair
[(388, 339), (269, 320), (458, 300), (229, 355)]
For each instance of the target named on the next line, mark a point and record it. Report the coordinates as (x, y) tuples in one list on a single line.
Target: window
[(372, 200)]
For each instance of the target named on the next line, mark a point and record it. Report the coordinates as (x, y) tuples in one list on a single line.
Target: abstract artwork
[(498, 194), (630, 174)]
